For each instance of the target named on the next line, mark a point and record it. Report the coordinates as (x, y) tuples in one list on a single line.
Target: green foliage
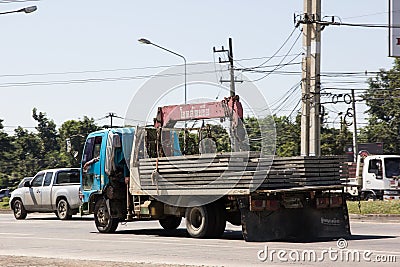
[(274, 135), (74, 134), (287, 136), (334, 141), (6, 157), (210, 135), (25, 153), (383, 101)]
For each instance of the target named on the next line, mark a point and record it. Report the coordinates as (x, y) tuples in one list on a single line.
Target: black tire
[(370, 197), (235, 218), (200, 221), (219, 214), (102, 218), (170, 222), (19, 210), (63, 210)]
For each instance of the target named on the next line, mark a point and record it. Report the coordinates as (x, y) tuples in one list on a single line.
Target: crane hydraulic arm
[(230, 107)]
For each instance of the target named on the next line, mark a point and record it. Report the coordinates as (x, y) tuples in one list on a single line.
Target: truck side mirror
[(27, 184)]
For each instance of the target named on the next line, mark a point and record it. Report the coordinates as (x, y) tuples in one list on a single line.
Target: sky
[(74, 58)]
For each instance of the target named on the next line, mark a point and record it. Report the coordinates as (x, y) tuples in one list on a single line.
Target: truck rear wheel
[(200, 221), (170, 222), (63, 211), (19, 210), (102, 218), (219, 214)]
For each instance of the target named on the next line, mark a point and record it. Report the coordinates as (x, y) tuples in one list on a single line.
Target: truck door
[(373, 179), (92, 164), (46, 192), (32, 195)]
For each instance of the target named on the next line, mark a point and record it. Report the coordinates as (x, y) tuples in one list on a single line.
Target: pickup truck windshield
[(67, 177), (392, 167)]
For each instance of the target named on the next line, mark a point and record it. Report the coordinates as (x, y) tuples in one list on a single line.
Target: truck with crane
[(140, 173), (373, 177)]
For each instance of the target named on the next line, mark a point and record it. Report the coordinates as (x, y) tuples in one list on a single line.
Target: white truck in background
[(54, 190), (373, 177)]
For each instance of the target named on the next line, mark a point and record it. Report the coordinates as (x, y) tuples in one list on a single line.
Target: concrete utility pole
[(353, 103), (231, 66), (231, 69), (310, 120), (112, 115)]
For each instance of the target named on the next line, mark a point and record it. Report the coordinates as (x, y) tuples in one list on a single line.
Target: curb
[(376, 217)]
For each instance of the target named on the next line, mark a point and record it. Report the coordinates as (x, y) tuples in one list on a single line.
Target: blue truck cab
[(105, 164)]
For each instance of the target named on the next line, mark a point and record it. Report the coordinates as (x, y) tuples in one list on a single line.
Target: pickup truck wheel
[(102, 218), (170, 222), (19, 210), (200, 221), (63, 211)]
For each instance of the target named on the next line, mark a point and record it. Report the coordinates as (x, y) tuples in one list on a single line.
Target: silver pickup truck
[(55, 190)]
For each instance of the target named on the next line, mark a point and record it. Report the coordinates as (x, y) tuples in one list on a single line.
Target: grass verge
[(4, 204), (374, 207)]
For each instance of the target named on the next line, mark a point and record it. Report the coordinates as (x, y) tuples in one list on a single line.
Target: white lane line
[(134, 241), (16, 234), (258, 246)]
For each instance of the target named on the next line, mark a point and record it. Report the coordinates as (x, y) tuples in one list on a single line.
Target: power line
[(121, 69), (16, 1), (277, 51), (99, 71), (370, 14), (95, 80)]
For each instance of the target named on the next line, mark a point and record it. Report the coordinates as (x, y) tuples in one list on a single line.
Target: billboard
[(394, 28), (369, 148)]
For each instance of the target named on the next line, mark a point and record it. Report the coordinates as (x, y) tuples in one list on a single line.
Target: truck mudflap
[(307, 223)]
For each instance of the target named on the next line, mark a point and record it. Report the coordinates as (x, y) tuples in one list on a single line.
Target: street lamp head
[(144, 41), (29, 9)]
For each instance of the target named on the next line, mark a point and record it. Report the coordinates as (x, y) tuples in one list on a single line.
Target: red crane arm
[(230, 107)]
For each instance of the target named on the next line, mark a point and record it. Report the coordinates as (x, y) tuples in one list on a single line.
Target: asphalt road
[(42, 235)]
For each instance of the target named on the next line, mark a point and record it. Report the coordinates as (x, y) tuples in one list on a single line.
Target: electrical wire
[(17, 1), (95, 80), (279, 49), (295, 108), (104, 70), (370, 14), (280, 62)]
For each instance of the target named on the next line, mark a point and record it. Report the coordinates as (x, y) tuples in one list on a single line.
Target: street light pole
[(145, 41), (27, 10)]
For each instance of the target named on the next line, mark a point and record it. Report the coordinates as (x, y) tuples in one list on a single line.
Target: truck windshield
[(392, 167)]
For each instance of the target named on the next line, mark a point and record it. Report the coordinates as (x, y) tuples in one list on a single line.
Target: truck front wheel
[(19, 210), (102, 217)]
